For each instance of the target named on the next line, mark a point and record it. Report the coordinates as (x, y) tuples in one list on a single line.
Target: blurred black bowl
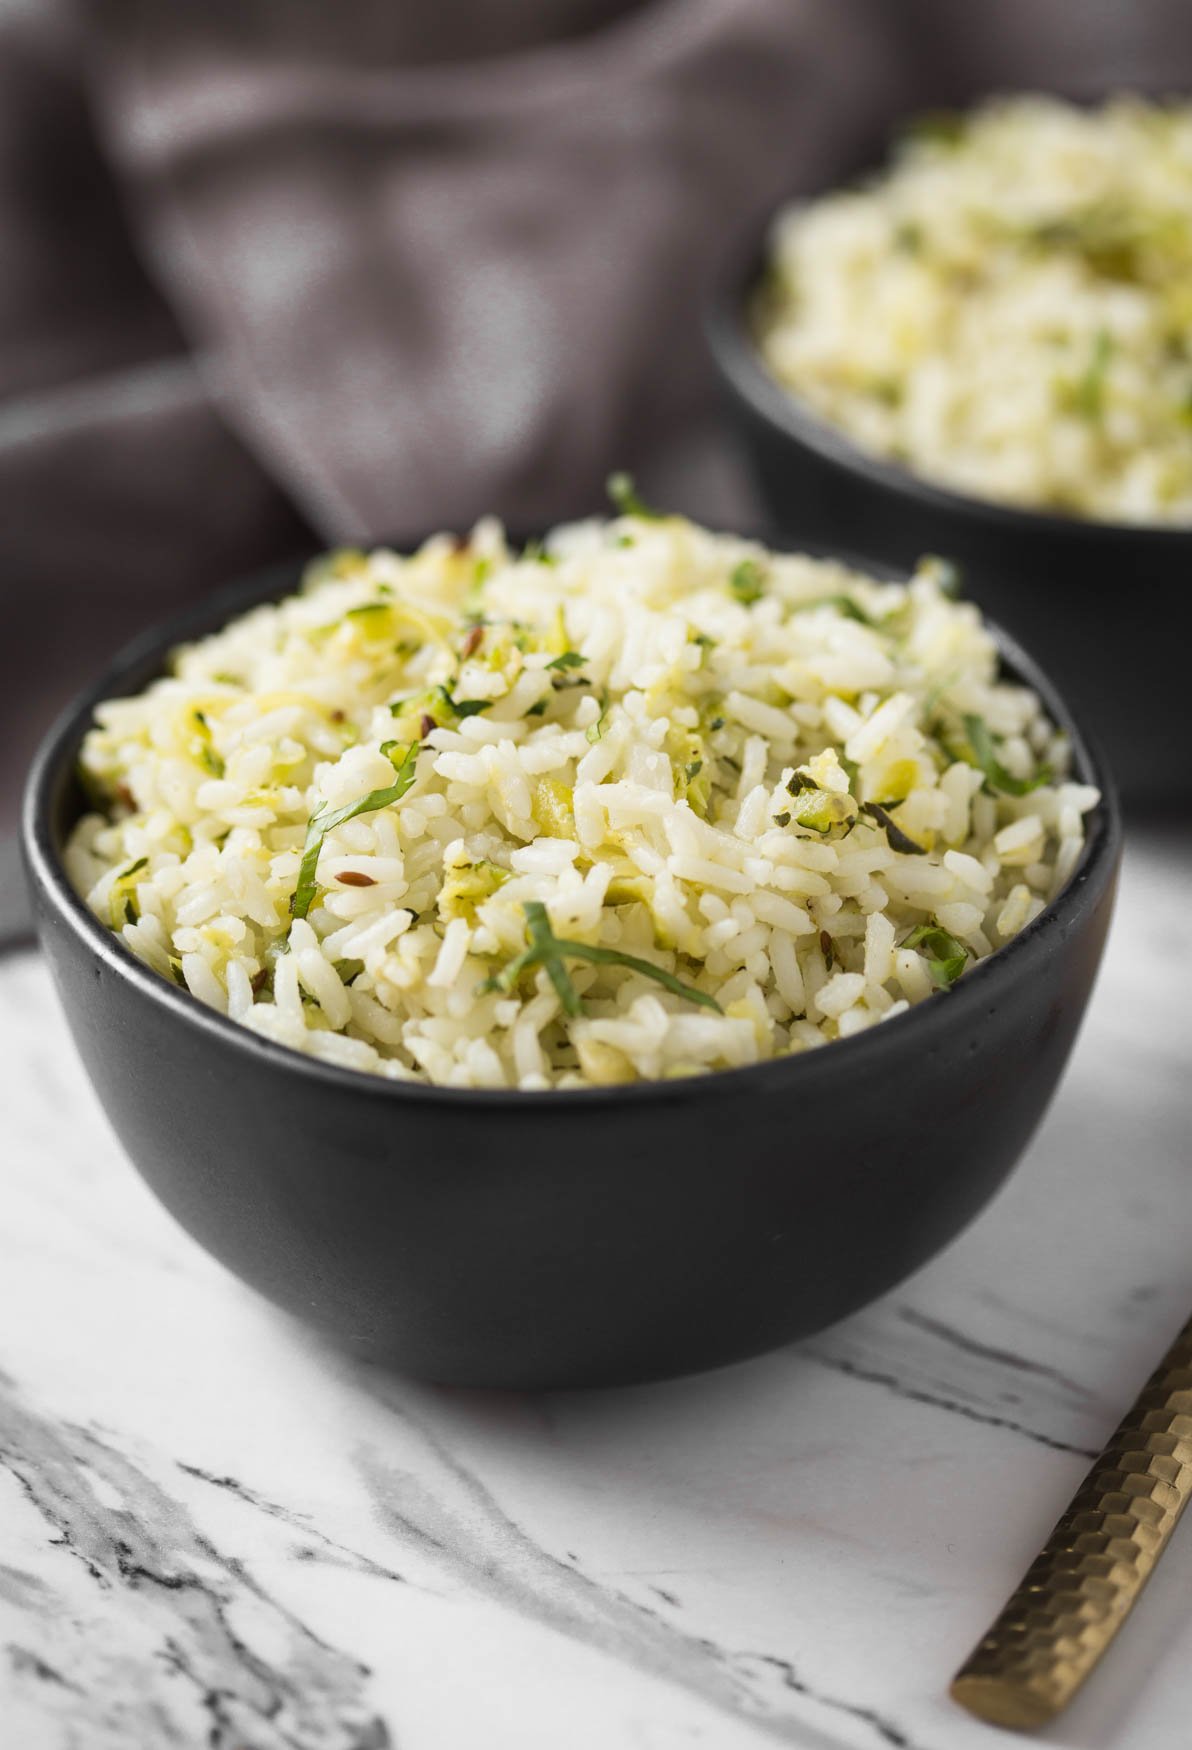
[(567, 1238), (1102, 606)]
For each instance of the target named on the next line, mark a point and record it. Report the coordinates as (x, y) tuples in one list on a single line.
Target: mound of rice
[(642, 802), (1008, 309)]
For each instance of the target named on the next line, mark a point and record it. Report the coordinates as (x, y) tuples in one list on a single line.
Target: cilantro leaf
[(404, 762), (844, 604), (550, 951), (122, 906), (946, 957), (626, 502), (895, 837), (1088, 395), (595, 730), (949, 578), (747, 582), (468, 707), (986, 760)]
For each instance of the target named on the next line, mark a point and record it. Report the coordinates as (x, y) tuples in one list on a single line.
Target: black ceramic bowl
[(566, 1238), (1101, 605)]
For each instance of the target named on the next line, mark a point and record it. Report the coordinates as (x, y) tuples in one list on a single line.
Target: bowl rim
[(140, 661), (726, 328)]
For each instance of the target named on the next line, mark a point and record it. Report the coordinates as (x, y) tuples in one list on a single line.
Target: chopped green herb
[(626, 502), (1088, 395), (693, 771), (844, 604), (886, 391), (949, 579), (122, 907), (404, 762), (538, 708), (946, 957), (463, 707), (747, 582), (550, 951), (986, 760), (202, 747), (349, 969), (782, 819), (596, 730), (437, 704), (1109, 236), (569, 660), (895, 837), (936, 127)]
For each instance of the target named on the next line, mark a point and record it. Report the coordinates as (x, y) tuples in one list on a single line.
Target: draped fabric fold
[(432, 291)]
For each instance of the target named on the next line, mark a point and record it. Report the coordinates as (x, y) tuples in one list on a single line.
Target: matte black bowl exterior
[(566, 1238), (1102, 606)]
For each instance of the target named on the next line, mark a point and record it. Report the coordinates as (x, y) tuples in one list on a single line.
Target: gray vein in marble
[(22, 1661), (475, 1539), (919, 1395), (889, 1734), (324, 1548), (181, 1592), (986, 1352)]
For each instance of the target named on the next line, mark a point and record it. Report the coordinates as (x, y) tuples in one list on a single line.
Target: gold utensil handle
[(1083, 1583)]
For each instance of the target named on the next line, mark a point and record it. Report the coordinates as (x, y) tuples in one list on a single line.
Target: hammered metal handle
[(1083, 1583)]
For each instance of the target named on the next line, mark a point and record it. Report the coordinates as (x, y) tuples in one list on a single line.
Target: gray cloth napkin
[(430, 291)]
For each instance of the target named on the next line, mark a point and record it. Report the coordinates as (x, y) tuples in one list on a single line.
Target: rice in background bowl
[(642, 802), (1006, 309)]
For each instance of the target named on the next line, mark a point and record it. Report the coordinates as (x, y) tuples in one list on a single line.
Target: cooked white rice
[(667, 738), (1008, 308)]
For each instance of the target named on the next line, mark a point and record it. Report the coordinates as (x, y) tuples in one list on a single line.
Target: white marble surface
[(215, 1530)]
